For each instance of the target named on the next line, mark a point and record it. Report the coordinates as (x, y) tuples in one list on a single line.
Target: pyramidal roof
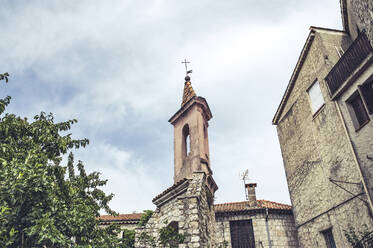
[(188, 91)]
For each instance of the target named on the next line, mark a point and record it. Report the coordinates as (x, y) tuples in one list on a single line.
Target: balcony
[(354, 56)]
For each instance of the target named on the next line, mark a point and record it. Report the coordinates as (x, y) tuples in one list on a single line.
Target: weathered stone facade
[(187, 203), (190, 206), (357, 15), (325, 157), (272, 228), (361, 140)]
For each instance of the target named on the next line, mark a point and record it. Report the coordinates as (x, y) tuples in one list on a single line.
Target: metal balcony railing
[(350, 60)]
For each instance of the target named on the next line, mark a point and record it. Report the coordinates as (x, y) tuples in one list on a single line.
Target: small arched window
[(186, 141)]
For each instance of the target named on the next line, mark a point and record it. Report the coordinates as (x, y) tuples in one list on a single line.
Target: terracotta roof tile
[(188, 93), (219, 208), (121, 217), (241, 206), (273, 205)]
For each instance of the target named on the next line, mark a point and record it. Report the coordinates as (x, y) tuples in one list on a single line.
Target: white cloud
[(116, 68)]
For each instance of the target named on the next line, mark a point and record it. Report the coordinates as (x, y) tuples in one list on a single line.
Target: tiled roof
[(188, 93), (169, 189), (121, 217), (219, 208), (242, 206)]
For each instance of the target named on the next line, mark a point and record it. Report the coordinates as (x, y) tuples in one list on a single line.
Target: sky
[(115, 66)]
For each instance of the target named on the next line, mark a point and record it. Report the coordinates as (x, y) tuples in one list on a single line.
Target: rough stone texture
[(360, 16), (281, 229), (315, 148), (361, 139), (192, 210)]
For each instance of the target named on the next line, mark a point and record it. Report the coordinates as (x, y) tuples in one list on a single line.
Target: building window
[(316, 97), (329, 239), (367, 93), (242, 234), (357, 110)]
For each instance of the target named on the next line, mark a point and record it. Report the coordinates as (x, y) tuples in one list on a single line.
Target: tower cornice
[(195, 100)]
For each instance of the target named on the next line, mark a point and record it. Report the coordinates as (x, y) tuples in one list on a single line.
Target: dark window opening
[(186, 141), (242, 234), (175, 226), (359, 114), (329, 239)]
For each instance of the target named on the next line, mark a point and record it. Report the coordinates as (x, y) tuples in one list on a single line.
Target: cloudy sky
[(116, 67)]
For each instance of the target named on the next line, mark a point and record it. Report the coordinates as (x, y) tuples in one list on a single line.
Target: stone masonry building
[(324, 124), (188, 205)]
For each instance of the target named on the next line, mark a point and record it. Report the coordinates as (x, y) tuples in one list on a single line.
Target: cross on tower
[(185, 62)]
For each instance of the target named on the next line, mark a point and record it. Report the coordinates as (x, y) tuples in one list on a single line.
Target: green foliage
[(145, 217), (145, 240), (4, 76), (356, 238), (128, 238), (43, 203), (170, 236)]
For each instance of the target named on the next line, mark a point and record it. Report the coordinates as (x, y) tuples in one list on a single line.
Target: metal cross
[(185, 62)]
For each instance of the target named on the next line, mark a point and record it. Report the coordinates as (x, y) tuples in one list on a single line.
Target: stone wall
[(281, 229), (361, 139), (360, 15), (314, 149), (192, 210)]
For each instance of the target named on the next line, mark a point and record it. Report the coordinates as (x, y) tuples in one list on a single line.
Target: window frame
[(356, 111), (327, 234), (368, 103), (238, 238), (311, 102)]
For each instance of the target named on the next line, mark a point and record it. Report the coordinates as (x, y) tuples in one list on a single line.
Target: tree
[(42, 202), (4, 76), (128, 238)]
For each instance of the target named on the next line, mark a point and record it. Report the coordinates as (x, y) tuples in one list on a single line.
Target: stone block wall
[(360, 16), (361, 139), (315, 149), (281, 229), (192, 210)]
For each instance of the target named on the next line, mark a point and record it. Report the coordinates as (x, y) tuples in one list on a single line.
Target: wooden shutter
[(242, 234)]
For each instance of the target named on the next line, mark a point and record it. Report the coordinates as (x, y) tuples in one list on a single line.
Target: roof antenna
[(244, 176)]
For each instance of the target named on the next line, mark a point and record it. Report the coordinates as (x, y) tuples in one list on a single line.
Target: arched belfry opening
[(186, 141)]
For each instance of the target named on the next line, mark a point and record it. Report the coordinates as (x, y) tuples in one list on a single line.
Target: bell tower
[(191, 145)]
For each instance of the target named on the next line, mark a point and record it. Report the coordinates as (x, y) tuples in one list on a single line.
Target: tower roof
[(188, 91)]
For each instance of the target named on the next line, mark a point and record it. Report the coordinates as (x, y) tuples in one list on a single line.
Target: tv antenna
[(244, 176)]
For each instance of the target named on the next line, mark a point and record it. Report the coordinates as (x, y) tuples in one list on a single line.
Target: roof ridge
[(273, 202), (230, 203)]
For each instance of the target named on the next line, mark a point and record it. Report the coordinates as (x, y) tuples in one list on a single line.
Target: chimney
[(250, 192)]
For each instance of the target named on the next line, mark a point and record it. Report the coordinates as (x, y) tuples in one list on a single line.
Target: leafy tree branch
[(42, 202)]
